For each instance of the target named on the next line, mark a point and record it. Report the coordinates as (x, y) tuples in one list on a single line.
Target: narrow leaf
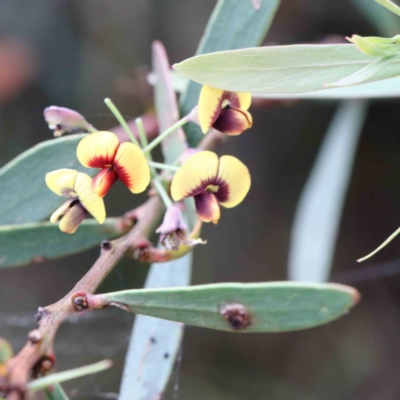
[(234, 24), (394, 8), (36, 242), (24, 195), (166, 105), (42, 383), (319, 210), (281, 69), (236, 307), (55, 392), (154, 342)]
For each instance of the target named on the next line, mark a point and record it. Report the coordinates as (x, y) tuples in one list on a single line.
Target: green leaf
[(6, 351), (281, 69), (24, 195), (319, 210), (147, 370), (36, 242), (166, 105), (380, 89), (55, 392), (234, 24), (394, 8), (363, 74), (42, 383), (236, 307), (384, 22)]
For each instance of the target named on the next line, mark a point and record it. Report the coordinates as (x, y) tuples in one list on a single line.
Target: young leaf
[(166, 105), (42, 383), (236, 307), (154, 342), (234, 24), (55, 392), (36, 242), (281, 69), (319, 210), (24, 195)]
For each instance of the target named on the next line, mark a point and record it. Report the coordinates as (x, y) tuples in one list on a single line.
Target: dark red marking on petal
[(207, 207), (101, 161), (232, 121), (222, 194), (103, 181)]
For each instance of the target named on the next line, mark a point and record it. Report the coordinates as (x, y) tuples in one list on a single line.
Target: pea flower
[(64, 120), (77, 187), (173, 230), (125, 161), (212, 182), (224, 111)]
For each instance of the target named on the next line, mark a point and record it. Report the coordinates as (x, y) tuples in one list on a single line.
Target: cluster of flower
[(210, 180)]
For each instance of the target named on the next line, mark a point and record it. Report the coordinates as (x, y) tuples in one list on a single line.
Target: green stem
[(121, 120), (163, 166), (394, 8), (162, 192), (166, 133), (142, 134)]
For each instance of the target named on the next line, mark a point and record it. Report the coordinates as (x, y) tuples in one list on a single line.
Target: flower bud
[(64, 120)]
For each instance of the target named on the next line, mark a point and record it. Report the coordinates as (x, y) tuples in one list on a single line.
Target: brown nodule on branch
[(106, 245), (44, 365), (237, 315), (79, 302)]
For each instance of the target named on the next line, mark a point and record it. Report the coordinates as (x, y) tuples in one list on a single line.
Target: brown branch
[(37, 356)]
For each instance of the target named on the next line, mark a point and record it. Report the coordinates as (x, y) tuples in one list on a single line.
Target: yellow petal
[(210, 101), (132, 167), (62, 182), (243, 101), (90, 201), (73, 218), (60, 211), (236, 176), (98, 149), (194, 175)]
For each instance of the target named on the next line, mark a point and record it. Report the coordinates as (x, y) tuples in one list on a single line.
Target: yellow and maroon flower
[(125, 161), (224, 111), (212, 182), (77, 187)]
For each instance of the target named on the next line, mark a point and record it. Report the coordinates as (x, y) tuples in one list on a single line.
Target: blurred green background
[(76, 53)]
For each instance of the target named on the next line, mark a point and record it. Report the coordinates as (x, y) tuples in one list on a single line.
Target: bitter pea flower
[(77, 187), (224, 111), (173, 230), (125, 161), (64, 120), (212, 182)]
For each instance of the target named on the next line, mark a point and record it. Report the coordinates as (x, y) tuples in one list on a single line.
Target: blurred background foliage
[(73, 54)]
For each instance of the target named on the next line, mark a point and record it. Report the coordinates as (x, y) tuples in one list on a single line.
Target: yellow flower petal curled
[(62, 182), (60, 211), (189, 179), (132, 167), (98, 149), (210, 101), (223, 110), (89, 200), (73, 217), (237, 176)]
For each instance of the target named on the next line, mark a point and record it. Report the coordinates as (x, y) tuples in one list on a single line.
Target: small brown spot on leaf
[(237, 316), (38, 259)]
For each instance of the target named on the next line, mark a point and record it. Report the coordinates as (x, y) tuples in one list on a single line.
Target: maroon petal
[(207, 207), (232, 121), (103, 181)]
